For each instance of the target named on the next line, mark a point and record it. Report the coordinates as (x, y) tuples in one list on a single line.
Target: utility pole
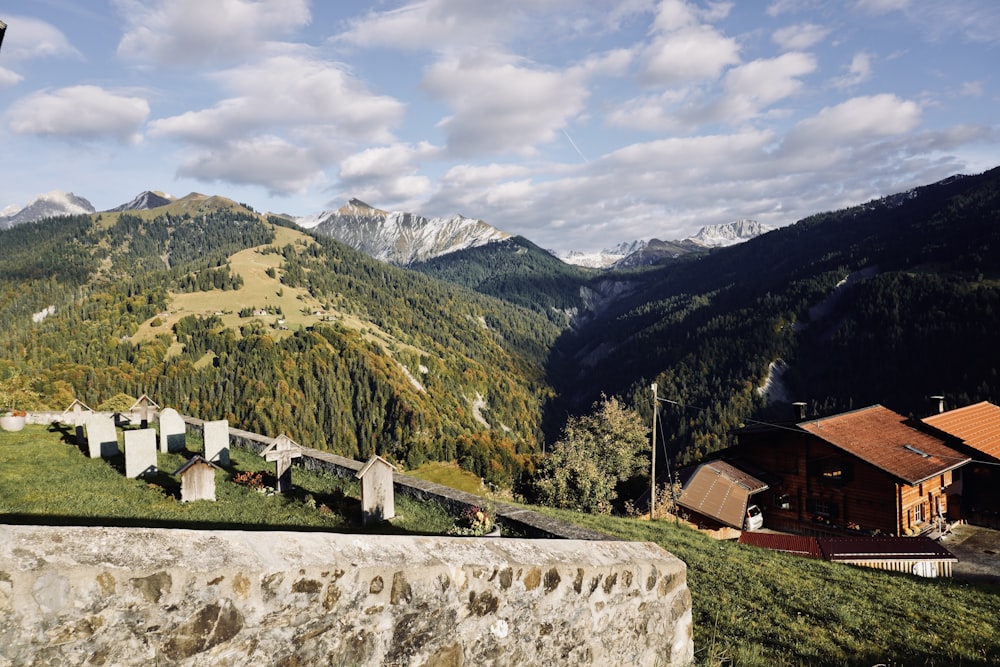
[(652, 474)]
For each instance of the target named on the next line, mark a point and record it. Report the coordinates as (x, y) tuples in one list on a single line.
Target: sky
[(577, 124)]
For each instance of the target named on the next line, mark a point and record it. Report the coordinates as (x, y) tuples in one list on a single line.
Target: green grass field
[(43, 477), (750, 606), (756, 607)]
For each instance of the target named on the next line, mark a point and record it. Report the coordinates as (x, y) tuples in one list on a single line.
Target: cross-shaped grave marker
[(143, 406), (282, 450), (79, 410)]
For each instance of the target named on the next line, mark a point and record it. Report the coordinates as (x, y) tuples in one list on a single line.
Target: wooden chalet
[(867, 470), (975, 430)]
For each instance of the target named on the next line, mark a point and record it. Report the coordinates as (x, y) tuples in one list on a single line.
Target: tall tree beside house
[(596, 454)]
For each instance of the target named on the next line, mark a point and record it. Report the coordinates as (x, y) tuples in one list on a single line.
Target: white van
[(754, 519)]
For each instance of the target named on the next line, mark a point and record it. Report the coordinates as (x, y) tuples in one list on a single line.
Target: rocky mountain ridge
[(398, 237), (49, 205)]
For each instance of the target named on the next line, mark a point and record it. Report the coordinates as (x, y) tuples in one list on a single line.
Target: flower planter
[(12, 422)]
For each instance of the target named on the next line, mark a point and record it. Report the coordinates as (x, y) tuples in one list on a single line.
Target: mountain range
[(403, 238), (480, 354)]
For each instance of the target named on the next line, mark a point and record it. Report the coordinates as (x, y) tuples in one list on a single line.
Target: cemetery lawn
[(753, 607), (43, 479)]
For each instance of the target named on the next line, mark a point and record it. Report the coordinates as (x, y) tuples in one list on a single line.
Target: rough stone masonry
[(143, 596)]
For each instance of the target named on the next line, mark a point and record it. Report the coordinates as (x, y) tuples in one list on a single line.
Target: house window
[(822, 508), (782, 501), (918, 513)]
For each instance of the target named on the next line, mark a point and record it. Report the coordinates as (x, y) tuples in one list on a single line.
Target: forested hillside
[(918, 317), (517, 271), (338, 350)]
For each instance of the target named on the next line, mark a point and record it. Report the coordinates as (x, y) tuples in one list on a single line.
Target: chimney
[(800, 409), (940, 403)]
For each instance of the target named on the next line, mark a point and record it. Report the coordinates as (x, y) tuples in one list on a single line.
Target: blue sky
[(576, 124)]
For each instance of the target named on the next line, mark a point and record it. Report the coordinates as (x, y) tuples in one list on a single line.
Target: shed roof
[(883, 548), (193, 461), (720, 491), (977, 425), (799, 545), (881, 437)]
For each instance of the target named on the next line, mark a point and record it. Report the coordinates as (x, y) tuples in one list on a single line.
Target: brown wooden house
[(976, 431), (867, 470)]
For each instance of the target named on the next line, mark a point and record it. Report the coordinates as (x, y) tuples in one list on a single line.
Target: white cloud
[(856, 121), (431, 24), (28, 38), (757, 85), (387, 175), (9, 78), (79, 112), (503, 105), (882, 6), (800, 37), (859, 71), (285, 91), (188, 32), (266, 161), (689, 53)]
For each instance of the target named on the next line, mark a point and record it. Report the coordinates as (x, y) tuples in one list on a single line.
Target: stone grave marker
[(377, 499), (102, 437), (282, 450), (76, 414), (197, 479), (140, 452), (144, 408), (216, 436), (173, 431)]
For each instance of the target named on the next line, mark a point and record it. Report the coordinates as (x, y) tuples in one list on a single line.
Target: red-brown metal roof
[(883, 548), (720, 491), (799, 545), (882, 438), (977, 425)]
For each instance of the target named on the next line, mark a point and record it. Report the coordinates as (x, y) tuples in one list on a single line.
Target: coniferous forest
[(482, 355)]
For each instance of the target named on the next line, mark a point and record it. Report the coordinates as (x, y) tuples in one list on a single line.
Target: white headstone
[(377, 499), (102, 437), (173, 431), (217, 442), (140, 452)]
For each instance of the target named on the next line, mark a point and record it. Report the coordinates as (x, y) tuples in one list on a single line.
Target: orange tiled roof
[(977, 425), (882, 438)]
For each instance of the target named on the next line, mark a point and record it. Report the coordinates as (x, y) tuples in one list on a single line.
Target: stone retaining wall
[(145, 596)]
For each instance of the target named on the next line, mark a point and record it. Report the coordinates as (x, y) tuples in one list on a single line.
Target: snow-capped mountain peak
[(48, 205), (398, 237), (730, 233), (145, 201)]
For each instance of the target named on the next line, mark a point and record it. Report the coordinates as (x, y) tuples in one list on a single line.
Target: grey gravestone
[(140, 452), (377, 499), (173, 431), (281, 451), (102, 437), (217, 442)]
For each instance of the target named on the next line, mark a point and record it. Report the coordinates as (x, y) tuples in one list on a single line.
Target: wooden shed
[(197, 479), (720, 492)]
